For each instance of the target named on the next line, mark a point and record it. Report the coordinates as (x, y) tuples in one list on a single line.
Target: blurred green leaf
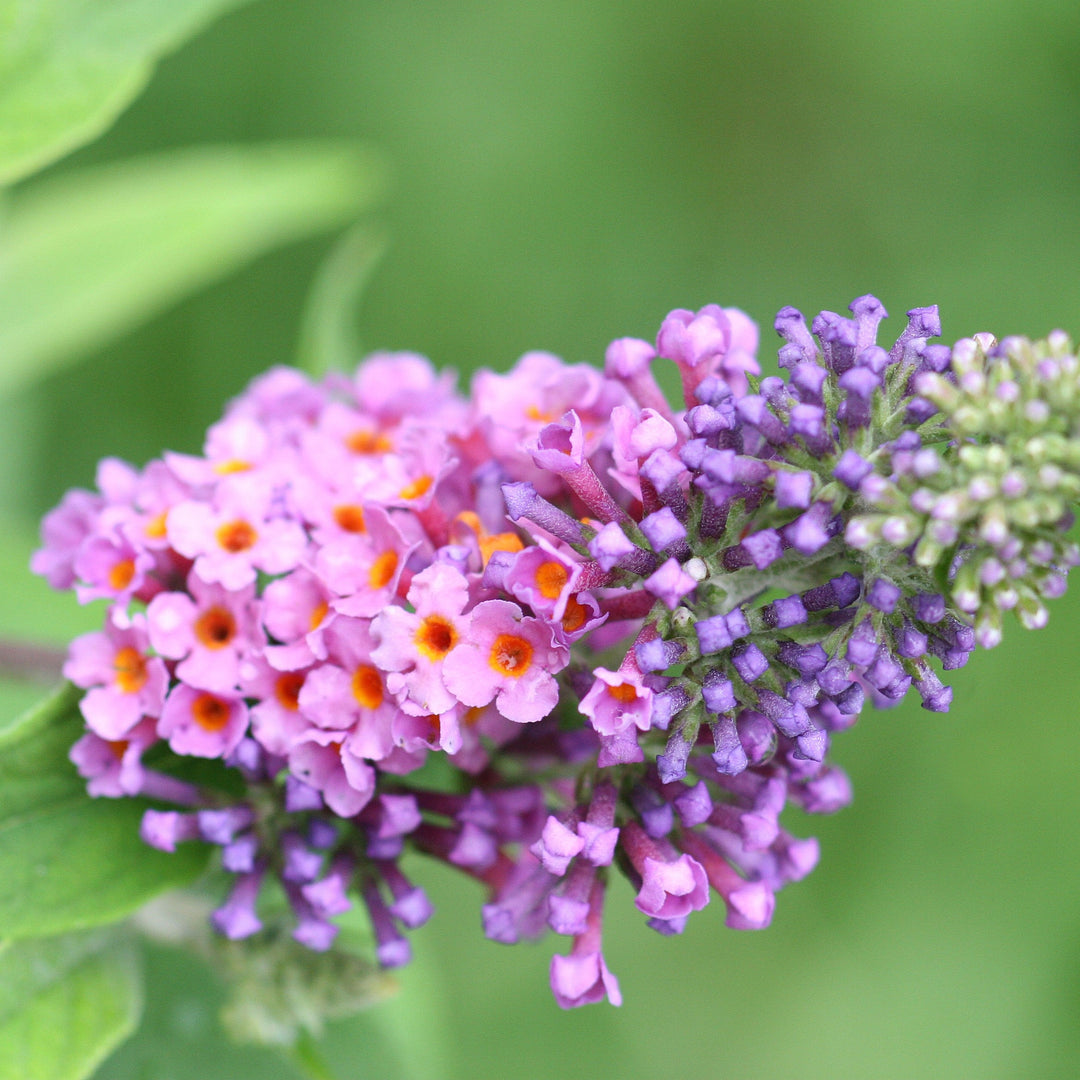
[(69, 862), (69, 68), (89, 256), (328, 338), (65, 1029)]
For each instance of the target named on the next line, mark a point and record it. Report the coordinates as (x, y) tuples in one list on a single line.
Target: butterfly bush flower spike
[(625, 629)]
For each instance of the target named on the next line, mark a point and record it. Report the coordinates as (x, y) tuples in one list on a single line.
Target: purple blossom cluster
[(627, 630)]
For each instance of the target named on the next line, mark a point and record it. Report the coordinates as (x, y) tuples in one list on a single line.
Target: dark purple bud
[(812, 746), (737, 625), (655, 813), (749, 661), (929, 607), (835, 677), (713, 634), (785, 612), (828, 792), (808, 379), (851, 469), (658, 655), (322, 835), (671, 764), (884, 672), (805, 659), (713, 390), (874, 358), (863, 645), (868, 311), (718, 693), (910, 643), (919, 410), (774, 390), (764, 547), (936, 358), (668, 704), (923, 323), (803, 692), (662, 469), (791, 720), (694, 805), (851, 700), (757, 735), (220, 826), (883, 595), (809, 532), (837, 337), (860, 382), (705, 421), (935, 696), (791, 326), (808, 421), (667, 927), (728, 753), (847, 588), (794, 489), (754, 411), (236, 918), (662, 529), (301, 864), (693, 453)]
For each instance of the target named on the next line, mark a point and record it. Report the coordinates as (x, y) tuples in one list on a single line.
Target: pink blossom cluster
[(360, 572)]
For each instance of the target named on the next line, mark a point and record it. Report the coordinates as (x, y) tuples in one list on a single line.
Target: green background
[(565, 173)]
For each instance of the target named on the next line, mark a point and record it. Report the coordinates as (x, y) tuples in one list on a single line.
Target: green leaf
[(67, 861), (88, 256), (69, 68), (328, 340), (66, 1029)]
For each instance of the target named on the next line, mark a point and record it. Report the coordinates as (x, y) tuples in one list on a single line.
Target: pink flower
[(202, 724), (113, 767), (507, 658), (208, 632), (582, 978), (616, 701), (325, 761), (237, 536), (414, 645), (124, 683)]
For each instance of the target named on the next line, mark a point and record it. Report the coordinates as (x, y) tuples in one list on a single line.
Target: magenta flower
[(413, 646), (236, 537), (672, 885), (617, 700), (208, 631), (508, 658), (202, 724), (124, 682)]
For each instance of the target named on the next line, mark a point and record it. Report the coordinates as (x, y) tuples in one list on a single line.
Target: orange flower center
[(318, 615), (365, 441), (215, 627), (511, 655), (130, 667), (210, 712), (121, 574), (367, 687), (287, 690), (417, 488), (575, 614), (236, 536), (350, 517), (382, 570), (624, 692), (435, 637), (551, 577), (231, 465), (155, 527), (118, 747)]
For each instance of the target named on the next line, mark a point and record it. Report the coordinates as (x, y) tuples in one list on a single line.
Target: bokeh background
[(565, 173)]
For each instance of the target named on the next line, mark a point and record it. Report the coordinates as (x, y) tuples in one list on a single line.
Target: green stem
[(307, 1057)]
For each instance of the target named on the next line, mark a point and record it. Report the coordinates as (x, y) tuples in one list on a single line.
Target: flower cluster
[(628, 629)]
